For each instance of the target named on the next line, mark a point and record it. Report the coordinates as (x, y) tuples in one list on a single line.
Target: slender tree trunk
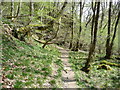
[(100, 26), (62, 10), (118, 41), (31, 7), (18, 9), (102, 17), (108, 34), (72, 27), (71, 41), (1, 10), (14, 31), (114, 35), (89, 19), (80, 29), (65, 37), (93, 19), (93, 43), (12, 9)]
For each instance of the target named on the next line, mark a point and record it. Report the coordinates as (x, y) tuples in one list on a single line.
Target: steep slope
[(28, 65)]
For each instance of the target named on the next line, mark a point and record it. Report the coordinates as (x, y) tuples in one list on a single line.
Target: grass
[(96, 78), (27, 65)]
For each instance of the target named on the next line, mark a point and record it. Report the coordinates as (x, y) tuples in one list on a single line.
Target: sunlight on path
[(67, 74)]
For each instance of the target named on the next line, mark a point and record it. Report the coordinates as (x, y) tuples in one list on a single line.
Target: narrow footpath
[(67, 74)]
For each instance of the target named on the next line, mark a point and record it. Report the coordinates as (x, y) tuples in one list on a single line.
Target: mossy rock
[(104, 66), (109, 63)]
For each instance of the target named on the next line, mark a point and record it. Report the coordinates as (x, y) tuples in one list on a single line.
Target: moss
[(109, 63), (104, 66)]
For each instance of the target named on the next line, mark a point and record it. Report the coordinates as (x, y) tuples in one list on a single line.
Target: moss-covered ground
[(96, 78)]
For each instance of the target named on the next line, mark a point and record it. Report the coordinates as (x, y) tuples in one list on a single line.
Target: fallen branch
[(42, 41)]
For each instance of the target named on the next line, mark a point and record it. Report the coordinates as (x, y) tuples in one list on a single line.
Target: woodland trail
[(67, 74)]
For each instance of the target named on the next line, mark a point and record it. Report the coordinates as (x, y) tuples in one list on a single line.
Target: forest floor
[(97, 78), (67, 73), (27, 65)]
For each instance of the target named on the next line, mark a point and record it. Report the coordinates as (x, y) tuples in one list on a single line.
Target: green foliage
[(27, 64), (97, 78), (52, 82), (18, 84), (10, 76)]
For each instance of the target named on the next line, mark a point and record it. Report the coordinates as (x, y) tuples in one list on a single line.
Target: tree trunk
[(65, 37), (53, 36), (108, 52), (72, 26), (31, 7), (58, 17), (14, 31), (93, 43), (114, 35), (62, 10), (93, 19), (18, 9), (71, 41), (12, 9), (102, 17), (0, 12), (80, 29)]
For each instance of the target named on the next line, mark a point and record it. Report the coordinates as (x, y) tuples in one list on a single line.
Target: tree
[(93, 20), (57, 16), (72, 26), (12, 9), (31, 7), (18, 9), (55, 35), (109, 45), (0, 11), (80, 28), (108, 33), (93, 43), (108, 53)]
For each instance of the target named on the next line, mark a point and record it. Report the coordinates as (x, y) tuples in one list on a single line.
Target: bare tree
[(72, 22), (93, 43), (108, 33), (80, 28), (93, 19), (109, 52)]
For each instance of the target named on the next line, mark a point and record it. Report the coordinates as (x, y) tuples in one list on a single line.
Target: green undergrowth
[(96, 78), (28, 65)]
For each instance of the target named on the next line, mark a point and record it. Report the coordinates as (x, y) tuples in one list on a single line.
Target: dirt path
[(67, 74)]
